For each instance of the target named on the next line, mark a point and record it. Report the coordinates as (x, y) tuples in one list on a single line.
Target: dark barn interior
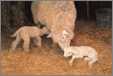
[(96, 32), (89, 8)]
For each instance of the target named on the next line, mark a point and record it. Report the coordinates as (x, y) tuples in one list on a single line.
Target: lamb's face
[(45, 30), (67, 54)]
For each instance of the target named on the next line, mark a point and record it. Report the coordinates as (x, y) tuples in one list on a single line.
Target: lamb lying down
[(25, 33), (86, 52)]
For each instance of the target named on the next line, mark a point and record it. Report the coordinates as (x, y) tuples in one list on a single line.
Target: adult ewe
[(58, 16)]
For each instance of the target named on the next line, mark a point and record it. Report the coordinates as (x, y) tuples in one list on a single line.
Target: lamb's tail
[(15, 34)]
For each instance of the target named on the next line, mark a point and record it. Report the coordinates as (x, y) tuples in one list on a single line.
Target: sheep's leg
[(26, 44), (72, 60), (15, 43), (39, 43)]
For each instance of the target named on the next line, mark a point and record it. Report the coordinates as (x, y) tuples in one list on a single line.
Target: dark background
[(93, 6)]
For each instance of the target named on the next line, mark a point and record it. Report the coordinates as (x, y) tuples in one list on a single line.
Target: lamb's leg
[(90, 64), (49, 35), (72, 60), (39, 43), (93, 60), (15, 43), (89, 61), (26, 44)]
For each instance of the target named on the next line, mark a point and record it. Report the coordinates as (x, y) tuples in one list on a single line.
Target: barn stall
[(93, 27)]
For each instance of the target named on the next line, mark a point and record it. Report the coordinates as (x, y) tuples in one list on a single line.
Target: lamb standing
[(89, 53), (25, 33)]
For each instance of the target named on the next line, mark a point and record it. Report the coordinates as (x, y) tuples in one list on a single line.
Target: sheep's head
[(65, 39), (67, 36)]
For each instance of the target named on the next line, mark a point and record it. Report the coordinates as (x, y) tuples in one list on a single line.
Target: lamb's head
[(45, 30), (67, 52)]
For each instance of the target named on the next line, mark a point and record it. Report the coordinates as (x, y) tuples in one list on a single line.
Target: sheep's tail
[(15, 34)]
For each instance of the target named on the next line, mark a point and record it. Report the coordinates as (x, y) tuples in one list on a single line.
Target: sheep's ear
[(65, 34)]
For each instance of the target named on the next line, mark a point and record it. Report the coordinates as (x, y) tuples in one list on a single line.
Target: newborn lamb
[(89, 53), (25, 33)]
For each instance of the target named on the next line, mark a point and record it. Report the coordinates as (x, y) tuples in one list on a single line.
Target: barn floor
[(45, 60)]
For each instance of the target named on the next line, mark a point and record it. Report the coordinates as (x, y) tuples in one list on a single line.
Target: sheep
[(86, 52), (57, 16), (25, 33)]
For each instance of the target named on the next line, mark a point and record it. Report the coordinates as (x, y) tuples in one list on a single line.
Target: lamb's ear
[(50, 35)]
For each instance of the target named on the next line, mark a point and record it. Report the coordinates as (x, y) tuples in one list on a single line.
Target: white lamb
[(89, 53), (25, 33)]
